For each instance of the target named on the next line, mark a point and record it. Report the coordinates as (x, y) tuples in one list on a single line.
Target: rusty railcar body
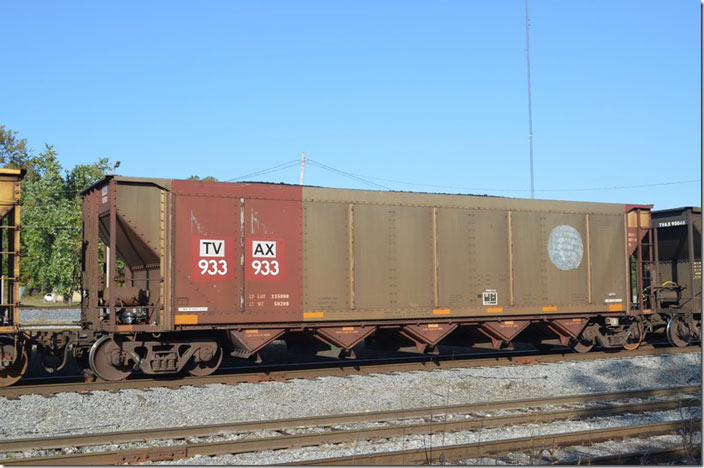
[(213, 268), (14, 345)]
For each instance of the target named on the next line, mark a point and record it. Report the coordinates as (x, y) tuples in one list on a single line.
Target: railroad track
[(434, 420), (448, 454), (642, 457), (337, 369)]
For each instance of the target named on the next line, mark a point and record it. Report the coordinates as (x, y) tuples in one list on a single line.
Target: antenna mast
[(530, 107)]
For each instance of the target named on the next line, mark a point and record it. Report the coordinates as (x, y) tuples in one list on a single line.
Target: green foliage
[(206, 179), (13, 152), (51, 221)]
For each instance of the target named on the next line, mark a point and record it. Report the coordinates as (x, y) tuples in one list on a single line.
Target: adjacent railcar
[(14, 345), (678, 269), (177, 273)]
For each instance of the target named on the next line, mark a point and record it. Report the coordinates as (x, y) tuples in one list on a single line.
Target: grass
[(38, 301)]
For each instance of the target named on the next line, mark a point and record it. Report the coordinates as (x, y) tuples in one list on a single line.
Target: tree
[(80, 178), (51, 213), (46, 221), (13, 152), (205, 179), (51, 221)]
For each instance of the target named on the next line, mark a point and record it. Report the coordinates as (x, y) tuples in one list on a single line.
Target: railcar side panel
[(564, 254), (473, 257), (529, 266), (375, 273), (608, 275), (462, 256), (238, 253), (208, 273), (327, 268), (393, 258), (273, 260)]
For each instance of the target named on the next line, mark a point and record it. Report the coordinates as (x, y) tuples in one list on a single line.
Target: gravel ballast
[(71, 413), (53, 316)]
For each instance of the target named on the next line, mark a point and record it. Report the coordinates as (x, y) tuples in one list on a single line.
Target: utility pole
[(530, 109), (303, 165)]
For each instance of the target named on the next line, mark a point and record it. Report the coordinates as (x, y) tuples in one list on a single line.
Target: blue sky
[(429, 93)]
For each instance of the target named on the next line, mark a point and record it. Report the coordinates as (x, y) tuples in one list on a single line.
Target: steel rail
[(337, 370), (188, 450), (692, 455), (46, 443), (495, 448)]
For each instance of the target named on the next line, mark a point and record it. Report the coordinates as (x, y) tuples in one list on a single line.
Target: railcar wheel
[(203, 368), (678, 332), (636, 333), (108, 361), (11, 374), (581, 346)]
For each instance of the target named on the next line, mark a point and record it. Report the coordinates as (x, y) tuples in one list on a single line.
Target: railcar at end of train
[(177, 274), (15, 344)]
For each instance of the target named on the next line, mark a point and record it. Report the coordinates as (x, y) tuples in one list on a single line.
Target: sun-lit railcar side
[(177, 273)]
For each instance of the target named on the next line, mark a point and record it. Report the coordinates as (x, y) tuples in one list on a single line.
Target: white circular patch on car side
[(565, 247)]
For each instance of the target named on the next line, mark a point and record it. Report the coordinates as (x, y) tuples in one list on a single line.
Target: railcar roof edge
[(13, 171), (161, 182), (695, 209), (167, 185)]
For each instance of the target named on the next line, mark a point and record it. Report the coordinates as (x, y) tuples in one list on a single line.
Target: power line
[(277, 168), (292, 163), (659, 184), (356, 177), (365, 179)]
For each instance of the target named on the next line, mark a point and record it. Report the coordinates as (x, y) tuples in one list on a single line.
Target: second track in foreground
[(339, 369)]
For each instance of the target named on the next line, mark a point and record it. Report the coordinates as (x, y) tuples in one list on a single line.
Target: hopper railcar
[(214, 268), (177, 274), (678, 269), (14, 343)]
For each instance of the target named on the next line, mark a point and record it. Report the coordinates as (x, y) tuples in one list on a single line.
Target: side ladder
[(641, 231), (9, 248)]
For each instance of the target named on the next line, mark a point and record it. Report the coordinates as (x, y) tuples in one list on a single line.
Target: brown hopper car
[(214, 267), (178, 273)]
